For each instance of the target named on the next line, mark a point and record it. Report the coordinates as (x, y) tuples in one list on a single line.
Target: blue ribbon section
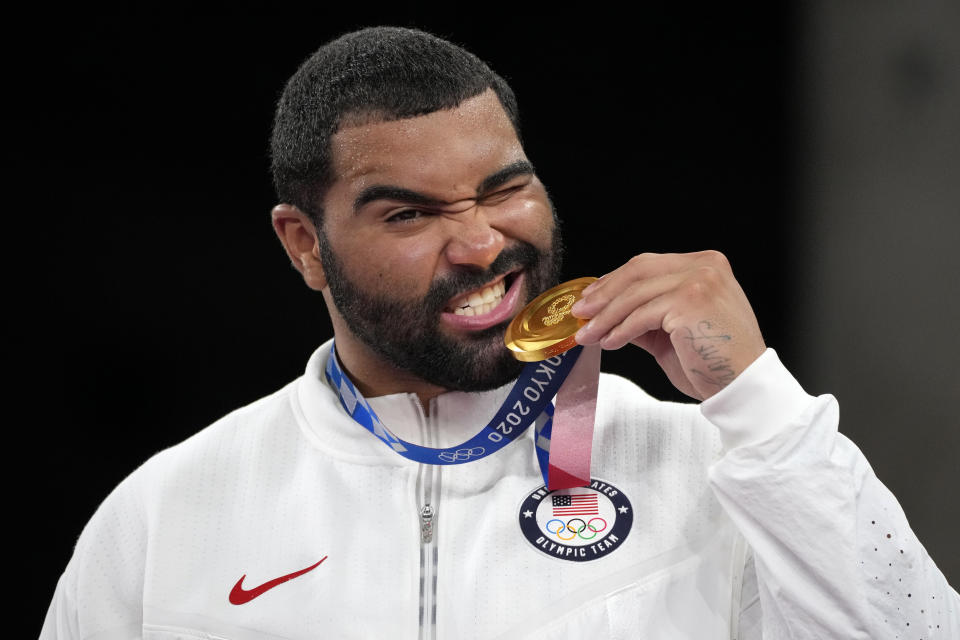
[(529, 402)]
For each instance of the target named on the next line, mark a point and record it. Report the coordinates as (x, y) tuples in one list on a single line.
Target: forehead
[(445, 153)]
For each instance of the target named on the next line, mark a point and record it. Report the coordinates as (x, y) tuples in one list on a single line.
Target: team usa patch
[(580, 524)]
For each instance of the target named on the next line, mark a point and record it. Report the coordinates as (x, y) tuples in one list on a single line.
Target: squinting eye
[(405, 215), (502, 194)]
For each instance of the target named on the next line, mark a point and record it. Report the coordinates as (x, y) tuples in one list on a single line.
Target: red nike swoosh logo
[(239, 595)]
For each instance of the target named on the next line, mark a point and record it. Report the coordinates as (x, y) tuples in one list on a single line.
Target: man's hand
[(686, 310)]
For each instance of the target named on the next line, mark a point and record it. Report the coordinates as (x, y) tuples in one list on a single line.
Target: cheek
[(411, 265), (395, 265), (528, 219)]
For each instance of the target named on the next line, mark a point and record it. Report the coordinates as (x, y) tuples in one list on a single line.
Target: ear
[(298, 235)]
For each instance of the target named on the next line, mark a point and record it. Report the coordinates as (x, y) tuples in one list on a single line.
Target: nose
[(473, 240)]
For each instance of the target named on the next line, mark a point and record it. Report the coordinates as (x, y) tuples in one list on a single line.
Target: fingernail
[(593, 285), (577, 307), (583, 332)]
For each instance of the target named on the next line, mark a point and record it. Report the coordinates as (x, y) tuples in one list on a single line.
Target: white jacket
[(290, 480)]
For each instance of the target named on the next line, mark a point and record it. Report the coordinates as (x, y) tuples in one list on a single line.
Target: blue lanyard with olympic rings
[(528, 402)]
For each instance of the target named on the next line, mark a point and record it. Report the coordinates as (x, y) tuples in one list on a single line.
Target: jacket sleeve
[(833, 552), (100, 594)]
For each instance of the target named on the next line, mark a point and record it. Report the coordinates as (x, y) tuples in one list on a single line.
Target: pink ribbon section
[(571, 440)]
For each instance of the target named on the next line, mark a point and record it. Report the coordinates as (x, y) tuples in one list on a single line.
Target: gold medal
[(546, 327)]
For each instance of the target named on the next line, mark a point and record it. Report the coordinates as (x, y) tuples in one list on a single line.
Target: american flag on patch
[(575, 504)]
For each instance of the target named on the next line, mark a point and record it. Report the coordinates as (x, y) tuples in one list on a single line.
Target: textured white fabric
[(835, 557), (274, 487)]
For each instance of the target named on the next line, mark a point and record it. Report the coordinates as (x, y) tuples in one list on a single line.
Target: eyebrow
[(408, 196), (504, 175)]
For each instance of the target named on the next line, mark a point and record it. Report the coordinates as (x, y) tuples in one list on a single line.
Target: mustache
[(520, 256)]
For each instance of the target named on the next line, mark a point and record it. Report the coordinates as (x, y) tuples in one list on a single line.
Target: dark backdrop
[(162, 298)]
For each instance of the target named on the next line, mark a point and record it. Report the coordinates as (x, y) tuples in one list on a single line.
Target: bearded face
[(435, 231), (407, 332)]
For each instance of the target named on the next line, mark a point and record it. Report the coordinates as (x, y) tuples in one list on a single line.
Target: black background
[(160, 298)]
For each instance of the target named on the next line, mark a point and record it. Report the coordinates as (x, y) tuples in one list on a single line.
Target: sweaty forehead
[(446, 151)]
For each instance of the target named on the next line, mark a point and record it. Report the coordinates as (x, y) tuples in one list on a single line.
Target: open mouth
[(481, 301)]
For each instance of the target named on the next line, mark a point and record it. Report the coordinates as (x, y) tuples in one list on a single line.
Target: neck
[(373, 376)]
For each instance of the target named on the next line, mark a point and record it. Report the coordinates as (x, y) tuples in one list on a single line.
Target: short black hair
[(375, 74)]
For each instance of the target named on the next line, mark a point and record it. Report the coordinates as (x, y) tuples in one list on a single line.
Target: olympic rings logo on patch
[(461, 454), (576, 531), (576, 525)]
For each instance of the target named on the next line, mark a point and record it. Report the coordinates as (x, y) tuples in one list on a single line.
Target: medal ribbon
[(528, 402), (571, 439)]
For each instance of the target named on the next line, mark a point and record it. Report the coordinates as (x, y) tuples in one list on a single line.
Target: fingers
[(642, 267), (645, 265), (686, 309), (619, 303), (628, 316)]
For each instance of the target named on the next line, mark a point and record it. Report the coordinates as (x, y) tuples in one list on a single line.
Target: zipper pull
[(426, 523)]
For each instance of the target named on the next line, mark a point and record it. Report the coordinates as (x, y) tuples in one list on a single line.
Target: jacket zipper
[(428, 492)]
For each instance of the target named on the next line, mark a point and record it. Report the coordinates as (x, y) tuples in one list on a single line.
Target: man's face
[(436, 232)]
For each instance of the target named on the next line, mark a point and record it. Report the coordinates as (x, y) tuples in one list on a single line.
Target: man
[(408, 202)]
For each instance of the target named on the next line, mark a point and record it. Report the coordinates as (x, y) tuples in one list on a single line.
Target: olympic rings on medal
[(461, 454), (576, 531)]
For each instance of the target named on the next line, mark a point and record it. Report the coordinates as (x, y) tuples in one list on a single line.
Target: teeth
[(480, 302)]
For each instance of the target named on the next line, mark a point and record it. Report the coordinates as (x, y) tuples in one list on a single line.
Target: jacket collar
[(454, 417)]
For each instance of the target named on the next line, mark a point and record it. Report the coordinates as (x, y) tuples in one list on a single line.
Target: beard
[(408, 335)]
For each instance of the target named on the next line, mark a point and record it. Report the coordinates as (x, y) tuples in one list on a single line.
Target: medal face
[(546, 327), (580, 524)]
